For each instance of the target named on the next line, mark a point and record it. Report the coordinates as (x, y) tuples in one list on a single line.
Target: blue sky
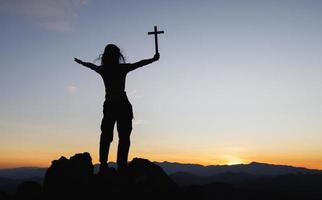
[(237, 80)]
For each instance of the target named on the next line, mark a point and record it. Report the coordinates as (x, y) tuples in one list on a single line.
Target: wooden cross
[(155, 33)]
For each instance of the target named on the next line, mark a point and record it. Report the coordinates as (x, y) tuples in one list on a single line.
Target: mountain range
[(182, 174), (241, 181), (253, 168)]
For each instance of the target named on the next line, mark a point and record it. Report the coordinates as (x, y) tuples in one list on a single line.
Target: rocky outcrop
[(74, 178), (68, 176), (150, 176)]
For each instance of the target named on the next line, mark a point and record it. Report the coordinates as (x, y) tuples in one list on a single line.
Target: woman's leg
[(124, 128), (106, 138)]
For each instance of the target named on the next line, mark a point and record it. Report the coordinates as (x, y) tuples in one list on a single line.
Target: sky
[(237, 81)]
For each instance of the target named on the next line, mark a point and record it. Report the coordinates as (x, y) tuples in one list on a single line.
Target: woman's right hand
[(78, 61)]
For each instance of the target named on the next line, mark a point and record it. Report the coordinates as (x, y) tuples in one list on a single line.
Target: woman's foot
[(103, 168)]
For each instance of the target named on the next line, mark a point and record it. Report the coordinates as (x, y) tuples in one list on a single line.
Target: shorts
[(118, 110)]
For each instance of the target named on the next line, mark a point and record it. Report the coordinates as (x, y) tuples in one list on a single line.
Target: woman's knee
[(107, 124), (124, 140), (124, 135), (124, 126), (106, 136)]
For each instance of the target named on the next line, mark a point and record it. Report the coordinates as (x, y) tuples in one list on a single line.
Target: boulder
[(150, 177), (29, 190), (69, 176), (74, 178)]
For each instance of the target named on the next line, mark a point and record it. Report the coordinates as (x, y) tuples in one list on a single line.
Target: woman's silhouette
[(117, 108)]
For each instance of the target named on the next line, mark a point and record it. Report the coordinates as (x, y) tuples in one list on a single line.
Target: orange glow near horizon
[(234, 161), (32, 160)]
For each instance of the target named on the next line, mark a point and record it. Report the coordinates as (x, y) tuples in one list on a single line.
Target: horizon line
[(212, 165)]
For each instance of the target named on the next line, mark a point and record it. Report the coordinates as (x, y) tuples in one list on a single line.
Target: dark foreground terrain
[(74, 178)]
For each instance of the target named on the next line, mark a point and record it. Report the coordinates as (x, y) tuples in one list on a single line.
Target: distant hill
[(185, 179), (253, 168), (23, 172)]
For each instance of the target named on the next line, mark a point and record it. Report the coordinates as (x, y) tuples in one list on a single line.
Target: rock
[(29, 190), (150, 177), (69, 177), (142, 179), (74, 179)]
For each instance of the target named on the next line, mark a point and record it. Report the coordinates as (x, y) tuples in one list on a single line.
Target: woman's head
[(112, 55)]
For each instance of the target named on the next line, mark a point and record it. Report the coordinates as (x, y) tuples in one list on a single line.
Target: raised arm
[(141, 63), (87, 64)]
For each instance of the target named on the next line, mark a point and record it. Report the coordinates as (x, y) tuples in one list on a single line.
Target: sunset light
[(236, 82), (163, 99), (234, 161)]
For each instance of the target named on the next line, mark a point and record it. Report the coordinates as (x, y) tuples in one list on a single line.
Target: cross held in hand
[(155, 33)]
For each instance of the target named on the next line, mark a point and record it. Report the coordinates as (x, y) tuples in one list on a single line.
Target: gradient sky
[(238, 81)]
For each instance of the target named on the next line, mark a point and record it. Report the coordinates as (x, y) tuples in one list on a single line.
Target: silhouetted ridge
[(75, 178), (253, 168)]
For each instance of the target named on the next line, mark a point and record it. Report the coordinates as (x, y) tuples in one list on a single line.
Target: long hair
[(112, 55)]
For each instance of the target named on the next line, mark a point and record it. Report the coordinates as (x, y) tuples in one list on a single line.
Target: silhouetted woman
[(117, 108)]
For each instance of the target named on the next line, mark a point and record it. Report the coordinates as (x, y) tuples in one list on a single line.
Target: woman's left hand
[(156, 56)]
